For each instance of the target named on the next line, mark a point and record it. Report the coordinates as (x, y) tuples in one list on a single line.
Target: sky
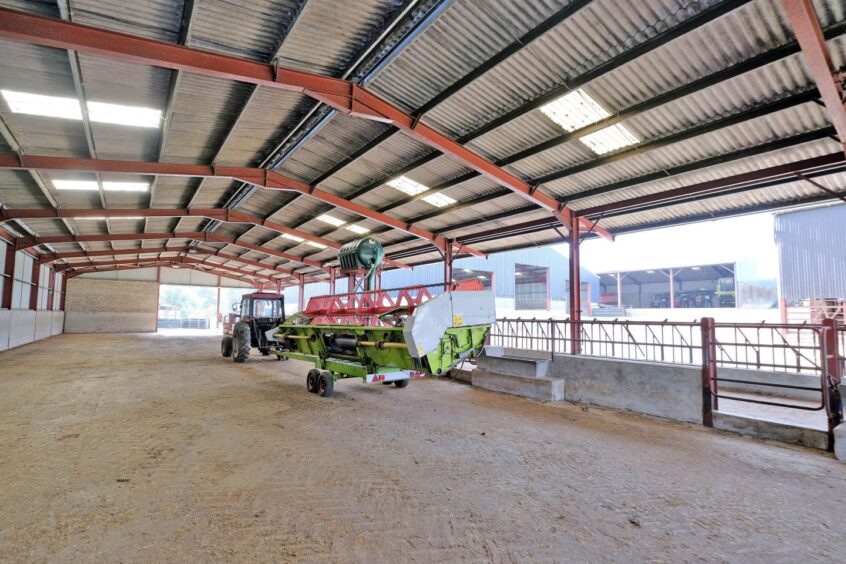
[(708, 242)]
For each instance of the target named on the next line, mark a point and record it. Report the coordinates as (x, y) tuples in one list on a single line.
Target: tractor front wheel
[(240, 342), (325, 384), (226, 346), (311, 380)]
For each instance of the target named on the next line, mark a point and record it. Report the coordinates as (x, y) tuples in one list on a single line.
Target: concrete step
[(497, 361), (773, 430), (536, 387)]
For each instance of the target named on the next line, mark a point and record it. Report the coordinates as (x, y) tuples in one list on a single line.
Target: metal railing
[(763, 346), (796, 350)]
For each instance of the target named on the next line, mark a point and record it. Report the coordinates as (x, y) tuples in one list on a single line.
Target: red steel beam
[(342, 95), (200, 251), (47, 258), (78, 272), (173, 260), (806, 26), (224, 215), (786, 170), (257, 176), (23, 243)]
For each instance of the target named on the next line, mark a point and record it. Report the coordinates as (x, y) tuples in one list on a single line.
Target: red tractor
[(258, 313)]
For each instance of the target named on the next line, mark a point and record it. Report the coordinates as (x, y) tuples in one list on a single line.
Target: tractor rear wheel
[(325, 384), (240, 342), (311, 380), (402, 383), (226, 346)]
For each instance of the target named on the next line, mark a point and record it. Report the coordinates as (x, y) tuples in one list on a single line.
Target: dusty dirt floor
[(152, 448)]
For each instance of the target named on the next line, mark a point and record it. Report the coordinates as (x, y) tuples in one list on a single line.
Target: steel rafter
[(754, 112), (649, 45), (418, 15), (340, 94), (806, 26), (52, 257), (23, 243), (258, 176), (608, 66), (244, 107), (786, 171), (778, 144), (175, 260), (218, 214), (170, 264), (505, 53)]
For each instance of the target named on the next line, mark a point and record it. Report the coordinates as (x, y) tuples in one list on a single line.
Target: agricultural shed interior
[(244, 145)]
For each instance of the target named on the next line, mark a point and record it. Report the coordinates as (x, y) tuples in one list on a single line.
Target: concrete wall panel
[(43, 324), (5, 327), (58, 323), (22, 327), (663, 390)]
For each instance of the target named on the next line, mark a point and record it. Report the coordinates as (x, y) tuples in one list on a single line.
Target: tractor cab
[(245, 328)]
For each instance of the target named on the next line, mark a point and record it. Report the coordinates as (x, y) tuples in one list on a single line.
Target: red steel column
[(9, 277), (447, 266), (51, 283), (575, 289), (709, 371), (832, 378), (64, 291), (36, 283)]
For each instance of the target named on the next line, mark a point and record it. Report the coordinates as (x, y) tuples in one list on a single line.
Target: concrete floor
[(128, 447)]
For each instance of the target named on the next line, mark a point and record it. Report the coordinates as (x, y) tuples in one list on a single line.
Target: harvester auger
[(387, 336)]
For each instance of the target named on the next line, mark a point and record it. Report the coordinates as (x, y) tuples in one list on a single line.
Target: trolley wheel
[(402, 383), (387, 383), (311, 380), (325, 384), (226, 346), (264, 351)]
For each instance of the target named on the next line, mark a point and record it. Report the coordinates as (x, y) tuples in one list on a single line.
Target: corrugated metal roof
[(327, 36)]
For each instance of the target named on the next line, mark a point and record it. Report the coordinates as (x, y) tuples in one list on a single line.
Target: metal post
[(831, 377), (218, 314), (9, 274), (301, 295), (447, 265), (51, 282), (64, 292), (332, 281), (36, 284), (709, 371), (575, 289)]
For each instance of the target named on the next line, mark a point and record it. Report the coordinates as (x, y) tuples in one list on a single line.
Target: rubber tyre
[(325, 385), (226, 346), (402, 383), (264, 351), (311, 380), (387, 383), (240, 342)]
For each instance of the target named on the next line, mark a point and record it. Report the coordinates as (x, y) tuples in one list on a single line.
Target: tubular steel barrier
[(795, 350)]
